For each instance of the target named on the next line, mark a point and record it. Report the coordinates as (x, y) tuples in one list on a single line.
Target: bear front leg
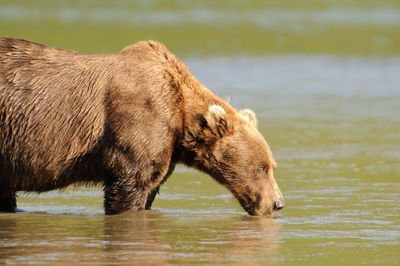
[(152, 195), (125, 189), (8, 202), (150, 198), (123, 195)]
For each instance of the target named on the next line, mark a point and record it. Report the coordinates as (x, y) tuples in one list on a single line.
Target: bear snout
[(260, 207), (277, 205)]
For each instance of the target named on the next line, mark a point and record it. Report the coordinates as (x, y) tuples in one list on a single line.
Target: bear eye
[(262, 168)]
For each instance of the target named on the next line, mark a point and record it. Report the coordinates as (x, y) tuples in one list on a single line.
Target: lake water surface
[(324, 80)]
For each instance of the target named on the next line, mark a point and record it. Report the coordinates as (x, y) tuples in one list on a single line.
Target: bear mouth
[(252, 207)]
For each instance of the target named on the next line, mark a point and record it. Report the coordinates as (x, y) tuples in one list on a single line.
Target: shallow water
[(333, 125), (324, 80)]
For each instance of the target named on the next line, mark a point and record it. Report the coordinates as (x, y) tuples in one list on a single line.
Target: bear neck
[(198, 140)]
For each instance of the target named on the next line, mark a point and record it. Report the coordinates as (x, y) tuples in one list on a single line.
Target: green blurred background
[(358, 27)]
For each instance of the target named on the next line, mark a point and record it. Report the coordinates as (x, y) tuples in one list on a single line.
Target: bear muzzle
[(277, 205), (261, 207)]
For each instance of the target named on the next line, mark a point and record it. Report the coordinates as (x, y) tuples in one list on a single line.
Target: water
[(332, 121)]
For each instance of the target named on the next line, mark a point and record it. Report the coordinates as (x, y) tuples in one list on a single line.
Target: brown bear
[(124, 120)]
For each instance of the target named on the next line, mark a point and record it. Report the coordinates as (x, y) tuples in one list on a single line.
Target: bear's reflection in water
[(156, 237), (149, 237)]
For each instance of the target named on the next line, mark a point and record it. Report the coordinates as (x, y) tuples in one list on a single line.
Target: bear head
[(231, 150)]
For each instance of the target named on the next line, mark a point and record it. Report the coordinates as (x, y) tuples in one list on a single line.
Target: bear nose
[(280, 204)]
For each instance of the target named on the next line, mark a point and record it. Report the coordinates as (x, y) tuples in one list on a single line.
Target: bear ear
[(216, 119), (249, 116)]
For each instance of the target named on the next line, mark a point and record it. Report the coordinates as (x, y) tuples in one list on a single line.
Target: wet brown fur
[(124, 120)]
